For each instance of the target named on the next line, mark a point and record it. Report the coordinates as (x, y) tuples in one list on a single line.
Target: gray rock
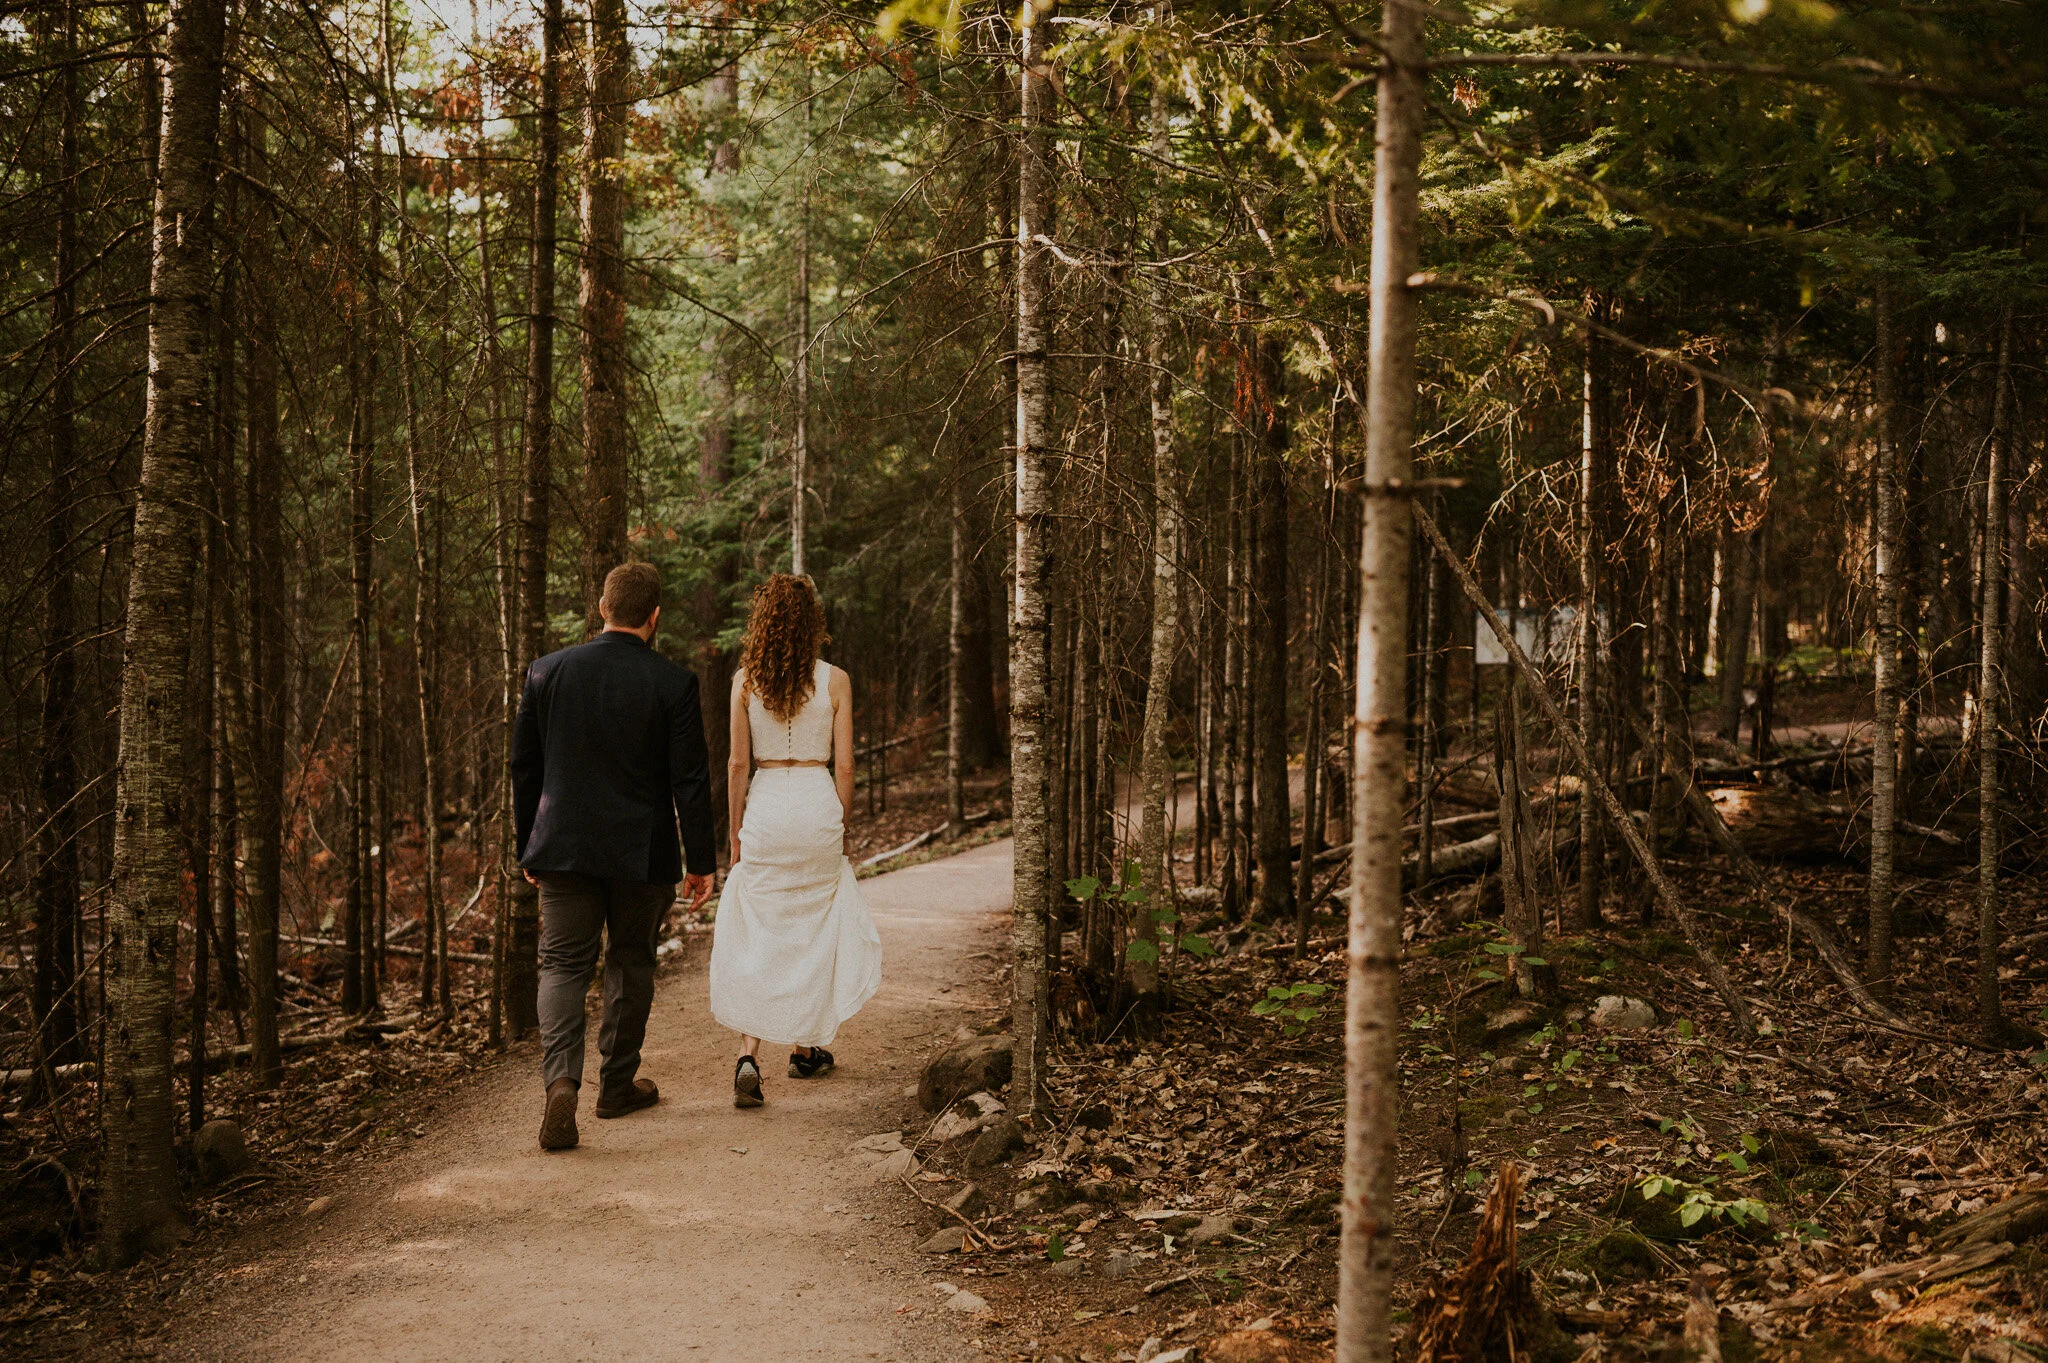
[(1121, 1265), (965, 1302), (967, 1201), (1211, 1229), (999, 1140), (947, 1240), (1151, 1349), (1067, 1268), (1519, 1016), (980, 1062), (966, 1117), (220, 1151), (901, 1164), (1618, 1012)]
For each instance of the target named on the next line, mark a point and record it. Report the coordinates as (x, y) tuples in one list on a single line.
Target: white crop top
[(805, 736)]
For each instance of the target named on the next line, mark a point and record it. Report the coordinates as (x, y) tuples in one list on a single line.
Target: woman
[(794, 952)]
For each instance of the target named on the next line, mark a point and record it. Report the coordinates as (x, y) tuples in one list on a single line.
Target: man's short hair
[(631, 593)]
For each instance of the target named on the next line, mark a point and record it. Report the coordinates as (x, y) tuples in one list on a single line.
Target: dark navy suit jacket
[(607, 756)]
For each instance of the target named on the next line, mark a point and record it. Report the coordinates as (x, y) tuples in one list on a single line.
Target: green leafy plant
[(1698, 1202), (1130, 889), (1284, 1004)]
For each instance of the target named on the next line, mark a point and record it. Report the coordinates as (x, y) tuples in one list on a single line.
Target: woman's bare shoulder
[(836, 678)]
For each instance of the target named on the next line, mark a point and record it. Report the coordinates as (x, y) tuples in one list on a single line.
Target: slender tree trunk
[(1269, 683), (1372, 1009), (1587, 662), (800, 446), (1991, 685), (1155, 776), (138, 1209), (53, 991), (602, 301), (715, 666), (1028, 634), (959, 585), (1884, 769), (260, 769), (505, 559), (522, 948), (1426, 743)]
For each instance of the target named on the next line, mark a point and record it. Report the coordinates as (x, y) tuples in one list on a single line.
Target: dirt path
[(658, 1237)]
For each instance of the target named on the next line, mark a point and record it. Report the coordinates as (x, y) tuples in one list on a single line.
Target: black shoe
[(746, 1083), (815, 1065)]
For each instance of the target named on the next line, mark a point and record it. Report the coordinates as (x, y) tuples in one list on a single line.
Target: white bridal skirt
[(795, 952)]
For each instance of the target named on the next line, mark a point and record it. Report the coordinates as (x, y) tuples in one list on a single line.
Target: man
[(607, 756)]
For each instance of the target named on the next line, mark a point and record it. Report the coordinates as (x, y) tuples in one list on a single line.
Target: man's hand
[(697, 889), (531, 878)]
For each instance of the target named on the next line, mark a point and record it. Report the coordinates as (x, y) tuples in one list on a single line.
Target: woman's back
[(805, 736)]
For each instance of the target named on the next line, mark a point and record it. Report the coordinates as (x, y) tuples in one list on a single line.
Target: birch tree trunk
[(1884, 762), (522, 947), (138, 1209), (1591, 861), (1365, 1264), (1155, 774), (602, 301), (1029, 641), (1991, 687)]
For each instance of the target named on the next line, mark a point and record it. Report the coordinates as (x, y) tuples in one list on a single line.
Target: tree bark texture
[(1030, 644), (1372, 1007), (602, 301), (1155, 764), (138, 1211)]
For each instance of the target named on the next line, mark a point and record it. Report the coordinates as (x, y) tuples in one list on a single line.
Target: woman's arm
[(841, 691), (739, 769)]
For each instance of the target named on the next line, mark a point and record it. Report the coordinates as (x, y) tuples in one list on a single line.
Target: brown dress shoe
[(558, 1119), (644, 1094)]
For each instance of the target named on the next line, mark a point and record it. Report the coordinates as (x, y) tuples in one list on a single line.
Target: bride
[(794, 952)]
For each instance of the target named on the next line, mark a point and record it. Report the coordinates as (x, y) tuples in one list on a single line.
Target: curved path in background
[(656, 1238)]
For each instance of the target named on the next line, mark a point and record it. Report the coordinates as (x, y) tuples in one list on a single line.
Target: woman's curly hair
[(785, 633)]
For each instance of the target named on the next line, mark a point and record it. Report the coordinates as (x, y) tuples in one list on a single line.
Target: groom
[(608, 754)]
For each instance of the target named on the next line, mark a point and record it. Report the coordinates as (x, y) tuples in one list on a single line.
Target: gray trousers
[(575, 911)]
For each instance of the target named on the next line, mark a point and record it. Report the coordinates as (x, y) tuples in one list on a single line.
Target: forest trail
[(657, 1238)]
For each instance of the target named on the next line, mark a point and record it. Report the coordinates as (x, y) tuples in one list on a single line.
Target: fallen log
[(2019, 1218), (467, 957), (1922, 1272), (12, 1079)]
